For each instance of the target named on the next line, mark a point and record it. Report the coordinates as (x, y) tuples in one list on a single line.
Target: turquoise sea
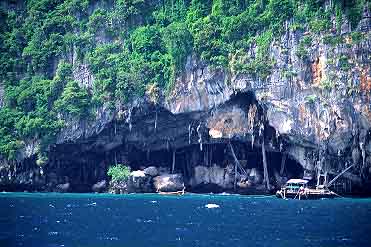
[(102, 220)]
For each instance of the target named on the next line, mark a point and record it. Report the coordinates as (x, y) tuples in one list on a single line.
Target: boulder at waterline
[(169, 182), (222, 177), (99, 186), (63, 187), (139, 182), (151, 171)]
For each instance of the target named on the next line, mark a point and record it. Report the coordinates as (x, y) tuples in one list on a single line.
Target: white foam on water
[(212, 205)]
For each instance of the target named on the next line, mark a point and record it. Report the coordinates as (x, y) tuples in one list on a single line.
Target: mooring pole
[(173, 166), (266, 177), (235, 176)]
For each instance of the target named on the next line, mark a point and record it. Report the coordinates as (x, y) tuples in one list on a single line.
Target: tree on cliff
[(129, 46)]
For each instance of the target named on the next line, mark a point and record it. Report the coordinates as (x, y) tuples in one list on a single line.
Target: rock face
[(63, 187), (365, 23), (31, 179), (139, 182), (315, 108), (120, 187), (151, 171), (99, 187), (255, 177), (215, 175), (169, 183)]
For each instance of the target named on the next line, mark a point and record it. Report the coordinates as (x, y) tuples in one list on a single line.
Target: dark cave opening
[(217, 154), (83, 169), (174, 144)]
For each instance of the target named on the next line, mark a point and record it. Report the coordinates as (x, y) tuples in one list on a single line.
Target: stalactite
[(251, 117), (173, 165), (156, 121), (363, 151), (261, 130), (199, 136), (128, 120), (189, 133), (252, 140), (265, 166)]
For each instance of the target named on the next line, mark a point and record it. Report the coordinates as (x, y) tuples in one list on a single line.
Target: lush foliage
[(135, 48), (119, 173)]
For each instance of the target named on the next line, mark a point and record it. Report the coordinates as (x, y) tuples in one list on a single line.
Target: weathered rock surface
[(169, 183), (63, 187), (139, 182), (151, 171), (216, 175), (100, 186), (315, 108), (120, 187)]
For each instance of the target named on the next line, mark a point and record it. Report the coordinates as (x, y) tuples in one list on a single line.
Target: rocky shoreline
[(214, 179), (205, 180)]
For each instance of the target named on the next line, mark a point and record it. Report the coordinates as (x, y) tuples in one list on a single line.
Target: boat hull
[(175, 193), (313, 195)]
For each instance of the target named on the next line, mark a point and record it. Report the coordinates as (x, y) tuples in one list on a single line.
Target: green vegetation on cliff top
[(131, 46)]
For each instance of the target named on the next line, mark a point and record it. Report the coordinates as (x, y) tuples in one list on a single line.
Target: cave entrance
[(215, 160), (182, 144), (189, 159)]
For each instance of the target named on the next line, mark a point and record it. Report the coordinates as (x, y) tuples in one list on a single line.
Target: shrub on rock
[(119, 173)]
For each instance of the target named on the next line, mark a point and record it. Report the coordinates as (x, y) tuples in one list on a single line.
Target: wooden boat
[(298, 189), (175, 193)]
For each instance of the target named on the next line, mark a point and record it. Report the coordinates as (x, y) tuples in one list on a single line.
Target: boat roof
[(297, 181)]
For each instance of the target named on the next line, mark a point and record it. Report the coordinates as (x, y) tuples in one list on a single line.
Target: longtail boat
[(298, 189)]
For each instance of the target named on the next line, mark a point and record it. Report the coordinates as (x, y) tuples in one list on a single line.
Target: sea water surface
[(97, 220)]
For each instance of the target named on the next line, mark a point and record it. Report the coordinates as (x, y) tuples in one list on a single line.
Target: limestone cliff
[(312, 112)]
